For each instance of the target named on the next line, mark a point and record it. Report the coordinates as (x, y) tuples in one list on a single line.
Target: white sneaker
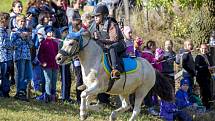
[(152, 111)]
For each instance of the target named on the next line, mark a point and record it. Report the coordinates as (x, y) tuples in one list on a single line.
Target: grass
[(6, 5), (15, 110)]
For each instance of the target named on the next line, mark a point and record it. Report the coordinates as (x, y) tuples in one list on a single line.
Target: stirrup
[(114, 76)]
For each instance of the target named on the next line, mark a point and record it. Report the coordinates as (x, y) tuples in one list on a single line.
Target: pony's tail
[(163, 87)]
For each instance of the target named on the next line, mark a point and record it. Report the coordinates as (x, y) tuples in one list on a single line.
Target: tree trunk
[(127, 15)]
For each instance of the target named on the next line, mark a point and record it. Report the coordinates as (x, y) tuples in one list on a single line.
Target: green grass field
[(15, 110), (6, 5)]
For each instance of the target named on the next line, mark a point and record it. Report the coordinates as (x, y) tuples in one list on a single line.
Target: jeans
[(66, 81), (5, 84), (38, 78), (79, 81), (23, 75), (51, 80)]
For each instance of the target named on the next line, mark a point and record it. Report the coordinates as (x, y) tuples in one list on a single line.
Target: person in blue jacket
[(182, 99)]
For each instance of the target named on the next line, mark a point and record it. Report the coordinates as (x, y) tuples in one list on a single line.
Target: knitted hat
[(184, 81), (64, 29), (48, 29), (159, 53)]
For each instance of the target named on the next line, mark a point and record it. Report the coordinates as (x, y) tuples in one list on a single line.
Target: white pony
[(96, 78)]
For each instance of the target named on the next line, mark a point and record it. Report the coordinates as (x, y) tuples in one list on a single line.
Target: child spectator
[(159, 56), (22, 56), (15, 11), (203, 76), (150, 99), (182, 99), (86, 20), (60, 15), (168, 64), (47, 52), (170, 112), (33, 10), (129, 41), (65, 72), (149, 50), (195, 96), (138, 42), (187, 62), (75, 31), (38, 35), (6, 55)]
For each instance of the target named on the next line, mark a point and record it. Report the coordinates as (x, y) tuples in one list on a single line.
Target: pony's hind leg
[(125, 106), (139, 96)]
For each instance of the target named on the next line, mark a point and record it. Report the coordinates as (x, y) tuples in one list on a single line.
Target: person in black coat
[(203, 76)]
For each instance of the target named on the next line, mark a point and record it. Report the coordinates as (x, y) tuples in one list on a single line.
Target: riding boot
[(115, 74)]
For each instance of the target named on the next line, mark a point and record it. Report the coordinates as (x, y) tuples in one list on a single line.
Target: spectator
[(203, 76), (60, 15), (38, 36), (65, 72), (170, 112), (150, 99), (195, 96), (47, 52), (182, 100), (15, 11), (168, 64), (159, 56), (6, 55), (75, 31), (188, 64), (33, 10), (22, 57), (129, 41)]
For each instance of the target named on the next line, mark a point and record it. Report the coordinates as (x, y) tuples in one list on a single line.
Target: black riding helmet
[(101, 10)]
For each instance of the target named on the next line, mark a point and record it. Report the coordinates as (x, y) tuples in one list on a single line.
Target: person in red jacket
[(47, 52)]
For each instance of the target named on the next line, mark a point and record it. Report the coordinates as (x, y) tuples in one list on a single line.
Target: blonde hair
[(20, 17), (86, 17)]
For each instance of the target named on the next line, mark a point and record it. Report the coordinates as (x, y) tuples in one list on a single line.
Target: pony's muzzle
[(59, 59)]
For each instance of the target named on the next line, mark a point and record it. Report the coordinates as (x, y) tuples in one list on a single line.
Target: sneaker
[(47, 98), (21, 95), (41, 97), (153, 112), (82, 87), (115, 74)]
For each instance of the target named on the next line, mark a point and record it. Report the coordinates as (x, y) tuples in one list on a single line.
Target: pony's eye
[(70, 44)]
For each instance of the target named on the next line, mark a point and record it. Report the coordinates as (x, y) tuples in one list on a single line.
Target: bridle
[(77, 48)]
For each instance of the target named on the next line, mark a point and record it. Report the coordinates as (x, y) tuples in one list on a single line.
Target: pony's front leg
[(125, 106), (91, 91), (92, 107)]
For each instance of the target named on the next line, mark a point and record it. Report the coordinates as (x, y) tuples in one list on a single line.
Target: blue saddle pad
[(130, 64)]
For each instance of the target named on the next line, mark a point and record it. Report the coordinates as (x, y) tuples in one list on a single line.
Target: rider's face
[(98, 19)]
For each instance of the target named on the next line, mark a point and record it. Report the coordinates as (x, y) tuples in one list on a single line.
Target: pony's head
[(70, 49)]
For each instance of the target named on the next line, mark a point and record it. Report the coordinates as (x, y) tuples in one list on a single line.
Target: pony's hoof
[(83, 117), (112, 116)]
